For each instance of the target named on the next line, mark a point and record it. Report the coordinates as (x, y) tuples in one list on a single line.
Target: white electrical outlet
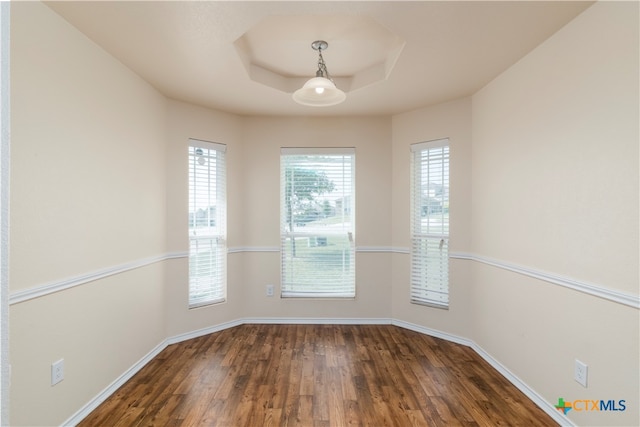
[(269, 290), (57, 371), (580, 373)]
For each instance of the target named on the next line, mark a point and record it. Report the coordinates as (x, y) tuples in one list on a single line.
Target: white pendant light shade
[(319, 92)]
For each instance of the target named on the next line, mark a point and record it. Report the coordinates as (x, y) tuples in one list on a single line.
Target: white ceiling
[(203, 52)]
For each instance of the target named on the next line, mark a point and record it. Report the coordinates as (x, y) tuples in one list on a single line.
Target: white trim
[(547, 407), (513, 379), (288, 151), (241, 249), (204, 331), (432, 332), (60, 285), (114, 386), (460, 255), (82, 413), (588, 288), (436, 143), (374, 249), (360, 249), (175, 255), (567, 282), (277, 321), (316, 321), (200, 143), (401, 250)]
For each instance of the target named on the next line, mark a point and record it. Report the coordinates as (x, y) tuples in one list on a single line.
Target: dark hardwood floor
[(318, 375)]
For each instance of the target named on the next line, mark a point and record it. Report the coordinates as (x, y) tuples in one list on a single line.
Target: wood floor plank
[(317, 375)]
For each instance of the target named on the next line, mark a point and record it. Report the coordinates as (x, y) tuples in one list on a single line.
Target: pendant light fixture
[(319, 91)]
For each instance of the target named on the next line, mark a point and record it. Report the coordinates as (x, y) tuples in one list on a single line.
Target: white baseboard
[(204, 331), (513, 379), (432, 332), (114, 386), (547, 407), (122, 379), (317, 321)]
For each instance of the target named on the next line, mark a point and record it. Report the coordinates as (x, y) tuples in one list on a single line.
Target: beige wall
[(83, 129), (544, 174), (186, 121), (262, 138), (87, 194), (253, 154), (558, 133), (451, 120), (555, 189)]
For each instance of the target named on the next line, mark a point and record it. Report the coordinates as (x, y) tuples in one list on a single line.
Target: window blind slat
[(207, 223), (430, 223), (317, 207)]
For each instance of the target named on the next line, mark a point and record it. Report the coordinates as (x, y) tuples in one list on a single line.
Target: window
[(430, 223), (207, 223), (317, 211)]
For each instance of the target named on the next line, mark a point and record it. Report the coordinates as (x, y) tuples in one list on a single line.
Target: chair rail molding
[(599, 291), (60, 285)]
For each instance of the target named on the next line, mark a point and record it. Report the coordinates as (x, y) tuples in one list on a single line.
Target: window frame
[(216, 264), (289, 289), (429, 273)]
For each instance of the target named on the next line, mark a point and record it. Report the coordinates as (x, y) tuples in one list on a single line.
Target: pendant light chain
[(321, 90), (322, 67)]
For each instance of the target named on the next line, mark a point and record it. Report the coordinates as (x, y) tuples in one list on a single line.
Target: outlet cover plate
[(57, 371), (580, 373)]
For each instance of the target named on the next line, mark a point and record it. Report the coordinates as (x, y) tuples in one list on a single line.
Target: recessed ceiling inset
[(275, 52)]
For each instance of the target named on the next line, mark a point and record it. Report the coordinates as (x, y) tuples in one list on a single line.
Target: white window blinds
[(430, 223), (317, 211), (207, 223)]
